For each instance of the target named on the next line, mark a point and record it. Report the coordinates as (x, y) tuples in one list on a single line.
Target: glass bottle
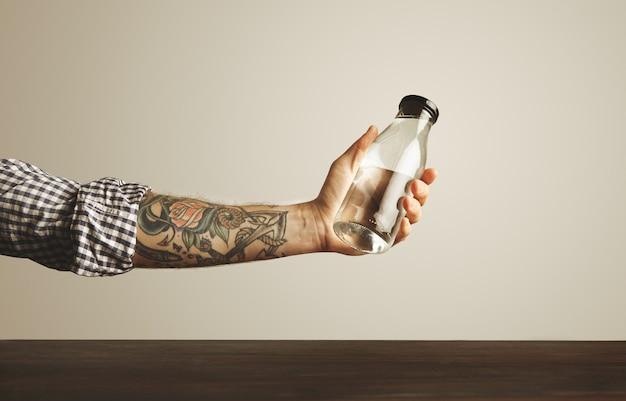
[(370, 215)]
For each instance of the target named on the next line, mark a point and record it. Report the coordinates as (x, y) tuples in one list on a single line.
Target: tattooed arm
[(184, 232), (174, 231)]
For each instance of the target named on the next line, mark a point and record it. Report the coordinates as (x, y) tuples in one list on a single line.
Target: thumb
[(355, 153)]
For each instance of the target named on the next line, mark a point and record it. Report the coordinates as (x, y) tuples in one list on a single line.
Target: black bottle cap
[(411, 105)]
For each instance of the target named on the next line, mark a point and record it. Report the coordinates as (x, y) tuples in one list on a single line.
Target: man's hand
[(340, 177)]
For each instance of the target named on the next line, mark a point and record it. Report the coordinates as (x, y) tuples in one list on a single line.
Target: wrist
[(305, 229), (317, 221)]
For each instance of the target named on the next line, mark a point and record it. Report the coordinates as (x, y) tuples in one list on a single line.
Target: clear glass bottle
[(371, 213)]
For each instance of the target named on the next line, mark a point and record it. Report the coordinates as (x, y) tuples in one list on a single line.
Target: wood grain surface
[(311, 370)]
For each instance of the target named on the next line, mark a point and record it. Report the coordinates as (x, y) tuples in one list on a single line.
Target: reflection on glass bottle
[(371, 213)]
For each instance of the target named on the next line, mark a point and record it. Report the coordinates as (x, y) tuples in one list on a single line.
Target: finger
[(413, 209), (420, 190), (364, 140), (429, 176), (357, 150), (404, 231)]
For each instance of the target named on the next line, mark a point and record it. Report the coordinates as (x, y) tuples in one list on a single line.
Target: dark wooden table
[(312, 370)]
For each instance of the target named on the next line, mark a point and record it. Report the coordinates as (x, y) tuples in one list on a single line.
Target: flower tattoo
[(198, 224)]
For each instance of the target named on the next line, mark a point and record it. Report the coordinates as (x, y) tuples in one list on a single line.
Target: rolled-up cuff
[(104, 226)]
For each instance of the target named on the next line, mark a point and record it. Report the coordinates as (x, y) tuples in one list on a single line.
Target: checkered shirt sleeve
[(87, 229)]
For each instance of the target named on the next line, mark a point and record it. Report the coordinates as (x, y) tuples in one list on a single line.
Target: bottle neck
[(420, 113)]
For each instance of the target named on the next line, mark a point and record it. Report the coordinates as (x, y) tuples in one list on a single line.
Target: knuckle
[(361, 145), (421, 189), (414, 209), (355, 163)]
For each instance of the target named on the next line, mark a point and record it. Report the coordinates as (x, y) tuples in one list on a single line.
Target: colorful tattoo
[(197, 225)]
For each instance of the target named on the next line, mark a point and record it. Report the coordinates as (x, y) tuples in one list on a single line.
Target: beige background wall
[(524, 234)]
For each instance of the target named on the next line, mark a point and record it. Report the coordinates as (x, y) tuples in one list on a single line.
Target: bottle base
[(360, 237)]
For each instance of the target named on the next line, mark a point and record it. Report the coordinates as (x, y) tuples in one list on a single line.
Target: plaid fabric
[(87, 229)]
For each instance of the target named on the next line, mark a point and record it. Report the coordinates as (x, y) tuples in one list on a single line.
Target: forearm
[(177, 231)]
